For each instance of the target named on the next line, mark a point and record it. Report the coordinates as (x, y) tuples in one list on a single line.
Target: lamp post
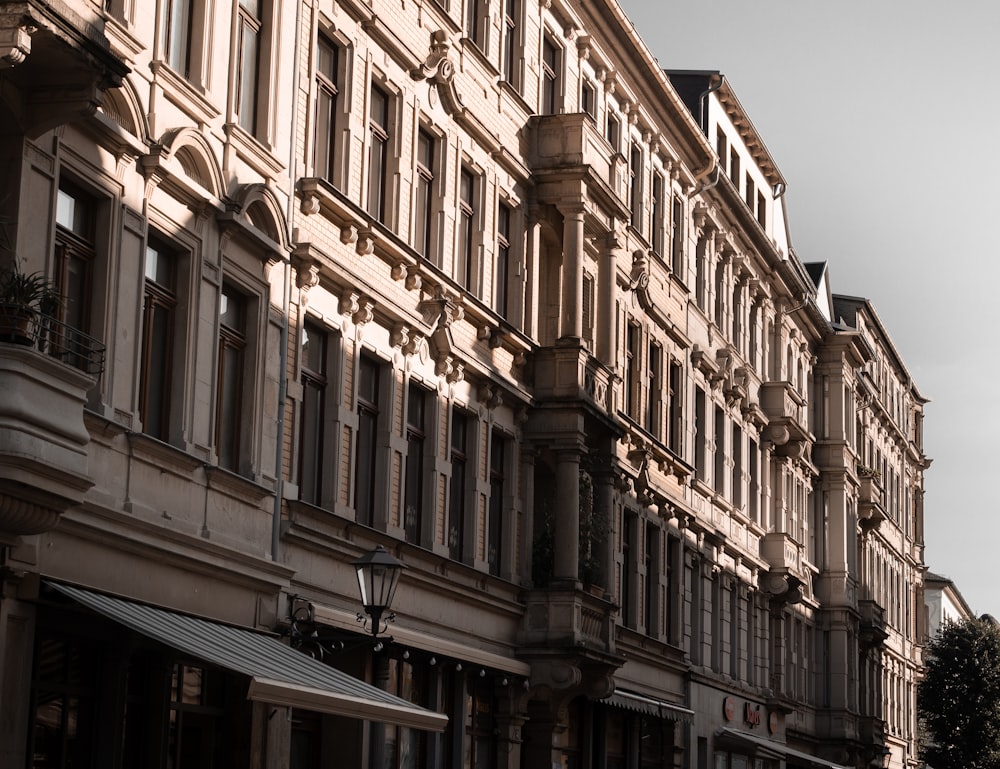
[(378, 574)]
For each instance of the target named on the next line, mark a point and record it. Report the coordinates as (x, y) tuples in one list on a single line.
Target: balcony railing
[(19, 325)]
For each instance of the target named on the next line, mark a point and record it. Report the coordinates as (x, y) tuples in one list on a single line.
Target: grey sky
[(882, 116)]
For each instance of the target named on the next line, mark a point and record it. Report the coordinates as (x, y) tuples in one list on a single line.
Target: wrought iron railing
[(25, 326)]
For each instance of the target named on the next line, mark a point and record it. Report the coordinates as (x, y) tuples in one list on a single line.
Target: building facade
[(475, 282)]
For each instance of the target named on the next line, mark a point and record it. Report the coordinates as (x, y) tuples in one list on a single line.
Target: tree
[(958, 700)]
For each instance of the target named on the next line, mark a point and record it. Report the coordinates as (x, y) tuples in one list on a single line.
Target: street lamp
[(378, 575)]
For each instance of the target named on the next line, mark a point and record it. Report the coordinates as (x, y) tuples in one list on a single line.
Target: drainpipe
[(279, 486), (713, 165), (703, 101)]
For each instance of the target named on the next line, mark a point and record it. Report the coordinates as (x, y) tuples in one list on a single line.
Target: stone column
[(571, 320), (608, 279), (530, 301), (567, 515)]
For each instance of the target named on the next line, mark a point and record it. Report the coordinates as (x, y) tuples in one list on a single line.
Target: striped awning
[(649, 706), (278, 674)]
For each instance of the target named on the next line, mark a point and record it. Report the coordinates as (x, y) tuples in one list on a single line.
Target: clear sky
[(883, 116)]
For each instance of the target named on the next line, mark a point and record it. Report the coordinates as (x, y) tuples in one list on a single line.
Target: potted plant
[(24, 298)]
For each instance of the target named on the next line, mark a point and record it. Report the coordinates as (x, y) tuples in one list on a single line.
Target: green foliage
[(958, 700), (31, 291)]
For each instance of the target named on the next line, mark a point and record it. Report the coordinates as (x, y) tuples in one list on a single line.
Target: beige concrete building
[(477, 283)]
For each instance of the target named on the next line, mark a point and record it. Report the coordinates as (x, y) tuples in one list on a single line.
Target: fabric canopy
[(278, 674)]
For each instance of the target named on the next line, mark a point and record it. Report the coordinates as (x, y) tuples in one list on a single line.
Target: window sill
[(257, 154), (184, 94)]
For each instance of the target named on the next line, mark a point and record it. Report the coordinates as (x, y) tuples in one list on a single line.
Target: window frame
[(426, 194), (247, 91), (381, 139), (326, 154), (159, 297), (550, 73)]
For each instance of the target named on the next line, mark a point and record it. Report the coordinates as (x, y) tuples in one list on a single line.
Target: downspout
[(279, 486), (702, 101), (713, 165)]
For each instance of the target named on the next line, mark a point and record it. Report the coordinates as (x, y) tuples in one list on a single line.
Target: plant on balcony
[(24, 297), (864, 471)]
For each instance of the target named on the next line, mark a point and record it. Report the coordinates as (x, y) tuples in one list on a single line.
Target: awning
[(278, 674), (775, 747), (649, 706)]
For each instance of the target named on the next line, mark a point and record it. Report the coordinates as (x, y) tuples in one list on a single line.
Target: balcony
[(45, 374), (571, 146), (871, 511), (571, 373), (872, 632), (58, 62), (783, 554), (788, 418), (568, 637)]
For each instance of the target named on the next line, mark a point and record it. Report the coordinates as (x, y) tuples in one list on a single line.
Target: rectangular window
[(476, 21), (654, 392), (378, 153), (614, 131), (677, 236), (229, 392), (423, 202), (551, 77), (588, 99), (177, 35), (635, 185), (416, 434), (511, 42), (700, 433), (465, 267), (459, 478), (248, 64), (75, 254), (366, 440), (628, 569), (159, 306), (327, 93), (631, 383), (734, 167), (720, 450), (502, 273), (651, 586), (588, 308), (657, 226), (675, 409), (721, 148), (750, 192), (497, 522), (736, 492), (761, 209), (312, 413)]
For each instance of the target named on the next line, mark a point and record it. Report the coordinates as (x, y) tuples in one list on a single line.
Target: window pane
[(246, 107)]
